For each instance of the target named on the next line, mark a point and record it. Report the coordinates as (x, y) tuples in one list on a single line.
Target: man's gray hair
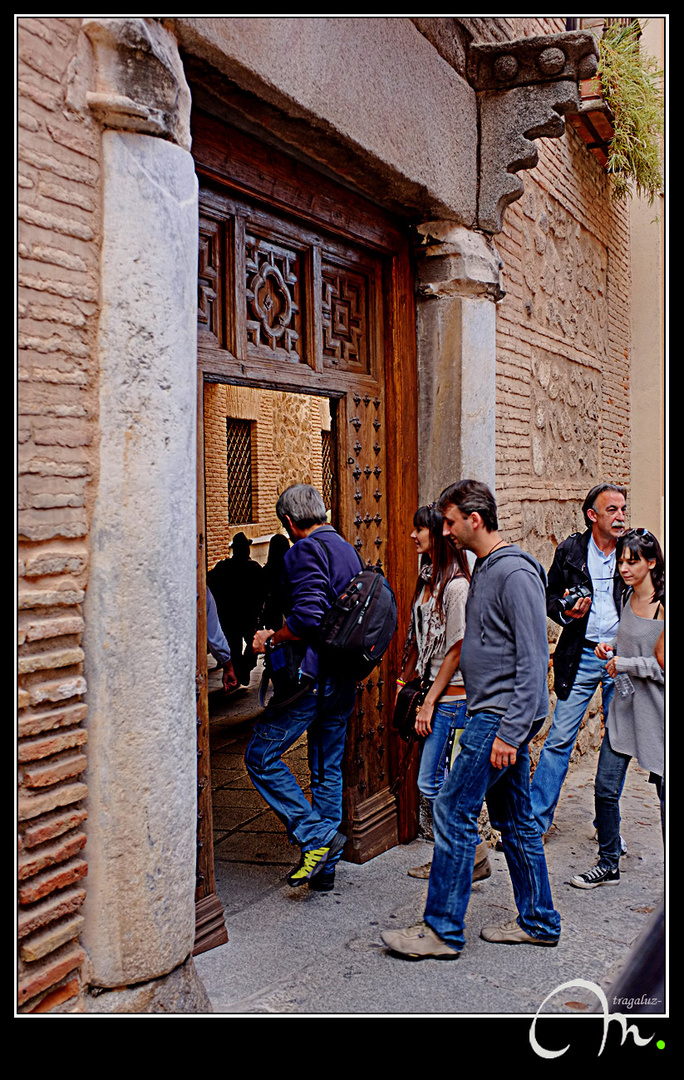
[(593, 495), (303, 504)]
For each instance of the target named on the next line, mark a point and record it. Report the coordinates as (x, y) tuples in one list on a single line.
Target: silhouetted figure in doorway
[(238, 588), (273, 612)]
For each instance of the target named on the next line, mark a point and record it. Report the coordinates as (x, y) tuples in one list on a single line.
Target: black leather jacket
[(569, 568)]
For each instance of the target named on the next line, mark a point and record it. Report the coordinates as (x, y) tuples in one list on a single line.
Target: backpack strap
[(321, 666), (362, 564)]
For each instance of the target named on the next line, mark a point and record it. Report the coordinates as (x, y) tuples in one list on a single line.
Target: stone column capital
[(140, 83), (456, 261)]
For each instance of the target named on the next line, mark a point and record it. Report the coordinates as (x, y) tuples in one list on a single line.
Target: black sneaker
[(323, 882), (313, 861), (600, 875)]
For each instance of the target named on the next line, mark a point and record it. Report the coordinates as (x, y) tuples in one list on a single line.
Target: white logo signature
[(607, 1017)]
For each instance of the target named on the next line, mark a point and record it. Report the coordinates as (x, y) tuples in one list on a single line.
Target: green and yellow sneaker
[(313, 861)]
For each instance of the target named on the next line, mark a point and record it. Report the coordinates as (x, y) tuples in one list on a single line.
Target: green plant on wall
[(632, 86)]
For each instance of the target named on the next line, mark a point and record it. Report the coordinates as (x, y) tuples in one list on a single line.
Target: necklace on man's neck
[(498, 544)]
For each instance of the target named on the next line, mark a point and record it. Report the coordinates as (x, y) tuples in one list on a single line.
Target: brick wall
[(562, 342), (58, 233)]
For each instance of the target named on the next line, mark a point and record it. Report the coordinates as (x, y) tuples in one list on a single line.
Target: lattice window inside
[(326, 447), (240, 486)]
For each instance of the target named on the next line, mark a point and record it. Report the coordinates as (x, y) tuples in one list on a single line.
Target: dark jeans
[(311, 825), (455, 813), (610, 780)]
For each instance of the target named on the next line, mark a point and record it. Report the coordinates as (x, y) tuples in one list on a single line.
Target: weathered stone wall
[(297, 447), (380, 102), (59, 212)]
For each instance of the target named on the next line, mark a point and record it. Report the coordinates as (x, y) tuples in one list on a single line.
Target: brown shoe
[(482, 868), (420, 871), (511, 933), (418, 943)]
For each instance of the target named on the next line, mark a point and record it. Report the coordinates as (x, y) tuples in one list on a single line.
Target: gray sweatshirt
[(636, 723), (505, 653)]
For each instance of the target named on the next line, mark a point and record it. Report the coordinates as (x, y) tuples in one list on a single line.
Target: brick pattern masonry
[(59, 222)]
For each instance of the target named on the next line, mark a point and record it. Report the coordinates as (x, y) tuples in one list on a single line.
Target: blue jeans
[(455, 813), (310, 825), (449, 713), (610, 780), (554, 759)]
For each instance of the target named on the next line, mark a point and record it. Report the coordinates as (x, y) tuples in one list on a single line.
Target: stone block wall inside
[(58, 265), (286, 449)]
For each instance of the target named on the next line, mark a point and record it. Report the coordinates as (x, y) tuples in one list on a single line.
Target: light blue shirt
[(216, 639), (603, 616)]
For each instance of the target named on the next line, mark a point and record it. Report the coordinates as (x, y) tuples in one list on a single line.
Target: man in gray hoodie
[(504, 660)]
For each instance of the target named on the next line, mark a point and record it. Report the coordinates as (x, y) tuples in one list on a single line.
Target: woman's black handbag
[(409, 700)]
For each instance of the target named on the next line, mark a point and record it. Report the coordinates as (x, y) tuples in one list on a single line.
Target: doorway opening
[(305, 301), (256, 443)]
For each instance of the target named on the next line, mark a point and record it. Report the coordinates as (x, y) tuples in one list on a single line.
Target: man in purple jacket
[(312, 578)]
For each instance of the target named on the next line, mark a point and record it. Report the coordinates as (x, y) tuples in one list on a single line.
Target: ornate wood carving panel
[(344, 316), (210, 284), (370, 808), (274, 293), (273, 306)]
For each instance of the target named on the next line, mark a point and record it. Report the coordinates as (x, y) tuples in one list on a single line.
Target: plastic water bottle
[(623, 683)]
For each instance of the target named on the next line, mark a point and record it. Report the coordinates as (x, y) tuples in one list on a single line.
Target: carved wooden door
[(305, 287)]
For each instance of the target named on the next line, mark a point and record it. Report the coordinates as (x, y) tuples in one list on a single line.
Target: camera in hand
[(577, 592)]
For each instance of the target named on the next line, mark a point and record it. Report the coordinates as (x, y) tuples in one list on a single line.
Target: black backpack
[(357, 628)]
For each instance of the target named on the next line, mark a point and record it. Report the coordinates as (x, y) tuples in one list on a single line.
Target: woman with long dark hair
[(272, 615), (432, 652), (636, 721)]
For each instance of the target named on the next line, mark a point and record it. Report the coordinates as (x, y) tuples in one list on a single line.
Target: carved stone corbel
[(524, 88), (455, 261), (140, 81)]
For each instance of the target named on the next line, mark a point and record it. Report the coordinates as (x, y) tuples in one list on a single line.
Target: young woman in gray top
[(636, 722), (432, 652)]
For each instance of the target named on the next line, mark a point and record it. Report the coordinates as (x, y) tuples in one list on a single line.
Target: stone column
[(459, 282), (140, 610)]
